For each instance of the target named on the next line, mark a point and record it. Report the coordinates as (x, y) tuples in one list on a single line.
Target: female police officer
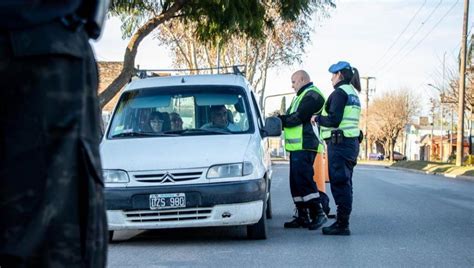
[(339, 124)]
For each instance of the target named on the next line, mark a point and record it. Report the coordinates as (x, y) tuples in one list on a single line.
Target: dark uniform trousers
[(51, 188), (342, 159), (302, 186)]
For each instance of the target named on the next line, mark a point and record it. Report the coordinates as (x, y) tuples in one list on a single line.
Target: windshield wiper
[(141, 134), (197, 130)]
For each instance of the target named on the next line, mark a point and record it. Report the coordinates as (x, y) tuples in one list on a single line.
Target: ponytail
[(355, 80)]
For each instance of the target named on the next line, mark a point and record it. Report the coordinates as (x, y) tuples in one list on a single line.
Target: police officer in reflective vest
[(302, 144), (339, 124)]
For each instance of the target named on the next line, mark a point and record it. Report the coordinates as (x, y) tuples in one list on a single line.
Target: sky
[(372, 35)]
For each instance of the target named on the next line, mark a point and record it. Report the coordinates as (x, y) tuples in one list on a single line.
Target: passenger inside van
[(158, 122), (176, 121), (219, 119)]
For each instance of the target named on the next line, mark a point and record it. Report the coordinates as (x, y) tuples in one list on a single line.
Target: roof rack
[(145, 73)]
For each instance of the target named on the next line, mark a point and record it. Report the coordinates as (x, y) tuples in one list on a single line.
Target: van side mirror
[(272, 127)]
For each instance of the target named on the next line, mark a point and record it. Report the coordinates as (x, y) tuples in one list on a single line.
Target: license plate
[(162, 201)]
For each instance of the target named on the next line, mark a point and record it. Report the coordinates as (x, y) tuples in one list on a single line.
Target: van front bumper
[(216, 204)]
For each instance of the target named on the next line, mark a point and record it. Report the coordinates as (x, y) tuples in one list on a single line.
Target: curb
[(451, 176), (280, 162)]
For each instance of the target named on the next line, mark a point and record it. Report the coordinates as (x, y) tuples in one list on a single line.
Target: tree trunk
[(178, 44), (253, 67), (190, 57), (209, 61), (194, 57), (131, 51), (392, 147), (247, 58), (268, 49)]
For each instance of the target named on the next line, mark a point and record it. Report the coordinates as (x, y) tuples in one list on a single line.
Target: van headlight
[(115, 176), (230, 170)]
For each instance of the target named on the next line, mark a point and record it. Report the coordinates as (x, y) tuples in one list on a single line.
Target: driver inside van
[(219, 119)]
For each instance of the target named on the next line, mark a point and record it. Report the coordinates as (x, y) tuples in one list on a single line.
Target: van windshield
[(181, 111)]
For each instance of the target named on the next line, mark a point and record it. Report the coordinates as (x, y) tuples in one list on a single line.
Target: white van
[(188, 151)]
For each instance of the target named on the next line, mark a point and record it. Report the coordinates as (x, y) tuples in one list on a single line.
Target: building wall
[(108, 71), (412, 147)]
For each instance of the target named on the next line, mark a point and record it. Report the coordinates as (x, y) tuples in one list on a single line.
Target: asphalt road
[(400, 219)]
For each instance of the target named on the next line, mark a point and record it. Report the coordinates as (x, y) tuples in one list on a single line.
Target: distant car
[(376, 156), (397, 156)]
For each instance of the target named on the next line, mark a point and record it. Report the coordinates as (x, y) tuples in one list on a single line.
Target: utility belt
[(337, 137)]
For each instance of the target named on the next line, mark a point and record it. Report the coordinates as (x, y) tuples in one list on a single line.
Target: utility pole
[(367, 78), (462, 83), (432, 128), (442, 108), (452, 133), (441, 157)]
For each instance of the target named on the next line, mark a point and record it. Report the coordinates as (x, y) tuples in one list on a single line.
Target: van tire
[(268, 211), (258, 231)]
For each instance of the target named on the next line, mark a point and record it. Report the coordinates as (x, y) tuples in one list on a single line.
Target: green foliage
[(220, 19), (215, 20), (134, 13)]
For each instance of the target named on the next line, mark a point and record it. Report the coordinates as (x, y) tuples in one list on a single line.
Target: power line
[(456, 48), (400, 35), (436, 25), (411, 37), (427, 34)]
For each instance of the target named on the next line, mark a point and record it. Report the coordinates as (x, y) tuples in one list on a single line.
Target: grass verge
[(435, 167)]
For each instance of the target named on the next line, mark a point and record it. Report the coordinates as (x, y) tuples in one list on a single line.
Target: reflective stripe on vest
[(351, 117), (294, 135)]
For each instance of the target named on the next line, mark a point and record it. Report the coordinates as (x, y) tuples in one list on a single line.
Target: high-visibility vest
[(351, 117), (294, 135)]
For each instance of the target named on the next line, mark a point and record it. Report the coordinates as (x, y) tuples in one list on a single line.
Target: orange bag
[(321, 173)]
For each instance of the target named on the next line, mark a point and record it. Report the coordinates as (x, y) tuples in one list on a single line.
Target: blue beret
[(339, 66)]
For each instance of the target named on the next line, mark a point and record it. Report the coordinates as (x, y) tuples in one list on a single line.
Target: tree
[(389, 115), (212, 20), (283, 44), (450, 74)]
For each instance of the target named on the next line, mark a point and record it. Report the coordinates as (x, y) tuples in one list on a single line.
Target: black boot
[(299, 220), (340, 227), (318, 217)]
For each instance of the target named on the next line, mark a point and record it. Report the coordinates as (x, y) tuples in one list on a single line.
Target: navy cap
[(339, 66)]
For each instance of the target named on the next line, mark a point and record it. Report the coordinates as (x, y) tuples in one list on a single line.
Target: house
[(440, 148), (108, 71)]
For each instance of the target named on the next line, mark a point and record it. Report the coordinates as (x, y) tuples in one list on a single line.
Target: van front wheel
[(258, 231), (111, 236)]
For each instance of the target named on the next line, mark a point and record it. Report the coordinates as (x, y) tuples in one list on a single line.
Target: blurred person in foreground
[(51, 187)]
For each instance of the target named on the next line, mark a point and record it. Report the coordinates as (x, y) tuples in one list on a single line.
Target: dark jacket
[(335, 105), (311, 104), (23, 14)]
